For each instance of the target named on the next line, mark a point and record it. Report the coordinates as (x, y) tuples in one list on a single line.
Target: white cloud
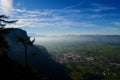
[(96, 16), (94, 7), (73, 6), (47, 18), (99, 7), (114, 29), (116, 23), (6, 6)]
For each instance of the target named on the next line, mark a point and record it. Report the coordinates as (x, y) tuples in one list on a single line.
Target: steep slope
[(37, 58)]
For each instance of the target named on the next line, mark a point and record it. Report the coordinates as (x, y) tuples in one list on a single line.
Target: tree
[(25, 42), (3, 22)]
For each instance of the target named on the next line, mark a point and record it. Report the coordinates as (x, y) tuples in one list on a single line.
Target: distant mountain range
[(100, 38), (76, 35)]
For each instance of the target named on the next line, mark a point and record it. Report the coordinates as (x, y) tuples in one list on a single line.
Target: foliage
[(4, 22)]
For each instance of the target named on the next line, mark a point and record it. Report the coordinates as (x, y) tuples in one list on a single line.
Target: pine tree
[(25, 42), (3, 22)]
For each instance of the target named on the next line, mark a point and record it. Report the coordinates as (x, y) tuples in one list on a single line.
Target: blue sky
[(65, 17)]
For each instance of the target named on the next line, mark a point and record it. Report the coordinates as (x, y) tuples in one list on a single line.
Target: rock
[(38, 57)]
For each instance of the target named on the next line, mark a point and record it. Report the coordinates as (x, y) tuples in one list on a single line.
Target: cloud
[(69, 18), (114, 29), (100, 7), (91, 6), (49, 18), (57, 18), (116, 23), (6, 6), (96, 16), (73, 6)]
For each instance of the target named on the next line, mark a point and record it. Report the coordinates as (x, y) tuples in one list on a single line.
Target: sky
[(64, 17)]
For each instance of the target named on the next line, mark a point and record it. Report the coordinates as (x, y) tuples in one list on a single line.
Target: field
[(87, 57)]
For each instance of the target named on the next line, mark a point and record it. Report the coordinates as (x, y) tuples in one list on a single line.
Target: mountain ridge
[(19, 50)]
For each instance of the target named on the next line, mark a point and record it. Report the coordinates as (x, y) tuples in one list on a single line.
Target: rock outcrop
[(37, 57)]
